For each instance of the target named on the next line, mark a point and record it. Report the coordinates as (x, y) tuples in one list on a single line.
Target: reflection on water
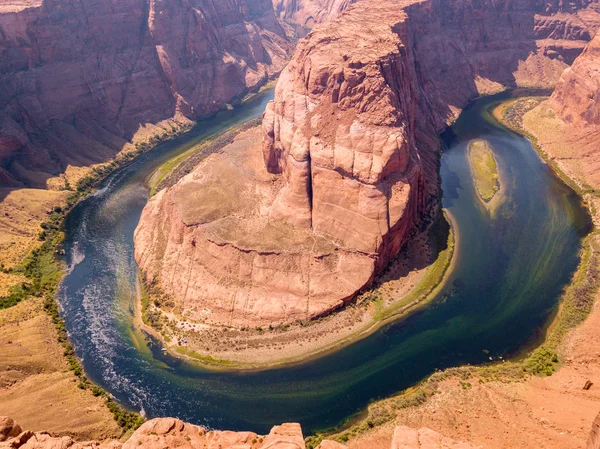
[(508, 275)]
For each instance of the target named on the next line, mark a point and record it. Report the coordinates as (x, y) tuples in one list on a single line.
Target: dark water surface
[(508, 275)]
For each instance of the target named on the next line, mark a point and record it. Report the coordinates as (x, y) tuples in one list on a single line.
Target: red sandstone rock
[(594, 439), (351, 143), (210, 244), (81, 78), (167, 433), (171, 433), (8, 428), (308, 13), (577, 94)]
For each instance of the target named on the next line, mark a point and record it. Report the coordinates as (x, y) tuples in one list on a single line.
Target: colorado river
[(507, 278)]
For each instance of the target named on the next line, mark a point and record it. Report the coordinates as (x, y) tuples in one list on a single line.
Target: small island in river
[(484, 169)]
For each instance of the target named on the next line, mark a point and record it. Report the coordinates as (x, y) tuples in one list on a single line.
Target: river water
[(507, 278)]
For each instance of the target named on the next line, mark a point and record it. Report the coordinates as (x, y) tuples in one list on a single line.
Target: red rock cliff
[(80, 78), (577, 94), (308, 13), (351, 128), (351, 147)]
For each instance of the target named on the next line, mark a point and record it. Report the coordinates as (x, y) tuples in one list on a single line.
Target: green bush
[(541, 362)]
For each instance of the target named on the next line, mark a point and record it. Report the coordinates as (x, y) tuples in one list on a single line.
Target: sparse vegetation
[(484, 169)]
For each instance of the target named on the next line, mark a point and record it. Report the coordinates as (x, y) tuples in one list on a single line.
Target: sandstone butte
[(166, 433), (82, 80), (349, 167)]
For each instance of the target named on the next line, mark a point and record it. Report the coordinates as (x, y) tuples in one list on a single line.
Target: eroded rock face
[(308, 13), (594, 438), (80, 79), (209, 241), (350, 143), (577, 94)]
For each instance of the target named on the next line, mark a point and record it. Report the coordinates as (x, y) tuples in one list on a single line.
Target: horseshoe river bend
[(507, 276)]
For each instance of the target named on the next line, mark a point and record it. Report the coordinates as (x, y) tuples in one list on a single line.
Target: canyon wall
[(308, 13), (577, 94), (350, 143), (81, 79)]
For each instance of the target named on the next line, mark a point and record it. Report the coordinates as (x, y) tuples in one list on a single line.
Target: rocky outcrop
[(577, 94), (308, 13), (594, 438), (210, 243), (81, 79), (567, 126), (170, 433), (350, 143)]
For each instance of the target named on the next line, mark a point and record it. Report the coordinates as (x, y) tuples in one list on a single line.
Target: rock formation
[(594, 438), (568, 125), (577, 94), (80, 79), (351, 145), (170, 433), (308, 13)]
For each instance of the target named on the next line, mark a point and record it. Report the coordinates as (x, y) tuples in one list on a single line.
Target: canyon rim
[(293, 219)]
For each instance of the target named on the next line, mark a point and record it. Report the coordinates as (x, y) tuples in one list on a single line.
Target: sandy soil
[(36, 387)]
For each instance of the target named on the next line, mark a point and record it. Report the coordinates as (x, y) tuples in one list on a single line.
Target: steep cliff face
[(351, 144), (577, 94), (343, 133), (79, 79), (568, 125), (308, 13)]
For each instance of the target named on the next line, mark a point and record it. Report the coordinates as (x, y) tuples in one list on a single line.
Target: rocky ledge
[(168, 433), (350, 156)]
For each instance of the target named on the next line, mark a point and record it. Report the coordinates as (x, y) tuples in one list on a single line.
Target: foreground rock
[(351, 151), (82, 79), (170, 433)]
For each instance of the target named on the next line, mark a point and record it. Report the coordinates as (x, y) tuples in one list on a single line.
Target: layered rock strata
[(351, 144), (82, 79), (568, 125), (169, 433), (308, 13), (577, 94)]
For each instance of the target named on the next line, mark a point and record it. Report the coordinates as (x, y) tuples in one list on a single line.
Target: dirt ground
[(36, 387)]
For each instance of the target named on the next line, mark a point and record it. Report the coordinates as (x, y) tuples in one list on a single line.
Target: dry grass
[(484, 169), (36, 387)]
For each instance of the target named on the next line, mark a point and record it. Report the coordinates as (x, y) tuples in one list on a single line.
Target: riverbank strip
[(575, 305)]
